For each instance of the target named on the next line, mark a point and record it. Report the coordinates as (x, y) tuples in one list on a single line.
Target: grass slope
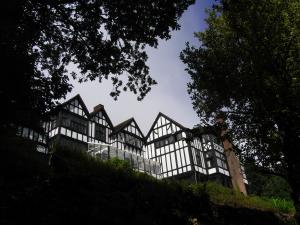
[(79, 189)]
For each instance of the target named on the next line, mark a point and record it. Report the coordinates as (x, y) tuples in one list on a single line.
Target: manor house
[(164, 152)]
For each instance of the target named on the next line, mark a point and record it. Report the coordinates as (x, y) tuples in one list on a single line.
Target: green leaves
[(108, 37), (103, 39), (248, 66)]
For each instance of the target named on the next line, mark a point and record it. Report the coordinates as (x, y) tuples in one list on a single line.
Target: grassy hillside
[(79, 189)]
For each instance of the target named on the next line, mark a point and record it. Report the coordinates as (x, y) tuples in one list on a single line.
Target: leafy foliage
[(268, 185), (120, 164), (103, 39), (226, 196), (248, 67)]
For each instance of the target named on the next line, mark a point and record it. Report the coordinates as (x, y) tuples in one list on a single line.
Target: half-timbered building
[(167, 151), (128, 136), (71, 125), (100, 126), (196, 159)]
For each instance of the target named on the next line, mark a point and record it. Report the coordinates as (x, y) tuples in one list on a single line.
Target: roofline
[(173, 121), (105, 114), (129, 121), (138, 127), (89, 115), (81, 102)]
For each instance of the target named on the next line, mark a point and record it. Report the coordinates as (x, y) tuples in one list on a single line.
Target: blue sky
[(170, 95)]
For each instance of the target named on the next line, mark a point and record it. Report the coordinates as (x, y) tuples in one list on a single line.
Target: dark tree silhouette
[(103, 38), (248, 66)]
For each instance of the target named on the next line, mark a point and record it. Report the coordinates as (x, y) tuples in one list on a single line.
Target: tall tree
[(264, 184), (103, 38), (248, 66)]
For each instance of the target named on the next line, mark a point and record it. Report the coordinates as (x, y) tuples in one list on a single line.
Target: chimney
[(98, 107), (233, 162)]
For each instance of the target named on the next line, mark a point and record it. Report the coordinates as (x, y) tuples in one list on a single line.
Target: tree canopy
[(104, 39), (248, 66), (266, 185)]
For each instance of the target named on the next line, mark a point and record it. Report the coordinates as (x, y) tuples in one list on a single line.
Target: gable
[(76, 105), (134, 128), (102, 118), (162, 126)]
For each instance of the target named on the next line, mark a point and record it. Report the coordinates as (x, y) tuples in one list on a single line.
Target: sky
[(170, 95)]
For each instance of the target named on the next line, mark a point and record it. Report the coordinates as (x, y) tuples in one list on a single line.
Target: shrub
[(226, 196), (119, 164)]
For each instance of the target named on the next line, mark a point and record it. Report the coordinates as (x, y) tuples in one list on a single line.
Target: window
[(65, 122), (219, 163), (198, 158), (178, 158), (84, 138), (79, 127), (35, 136), (179, 136), (53, 124), (187, 157), (25, 132), (208, 163), (131, 140), (165, 141), (63, 130), (74, 135), (209, 155), (100, 132)]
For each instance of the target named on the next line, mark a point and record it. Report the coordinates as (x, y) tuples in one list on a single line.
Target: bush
[(119, 164), (283, 205), (226, 196)]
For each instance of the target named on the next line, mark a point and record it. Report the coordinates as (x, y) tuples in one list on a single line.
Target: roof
[(124, 124), (173, 121), (78, 97), (95, 111)]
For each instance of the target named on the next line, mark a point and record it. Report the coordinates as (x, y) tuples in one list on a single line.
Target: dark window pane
[(78, 127), (165, 141), (100, 132)]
